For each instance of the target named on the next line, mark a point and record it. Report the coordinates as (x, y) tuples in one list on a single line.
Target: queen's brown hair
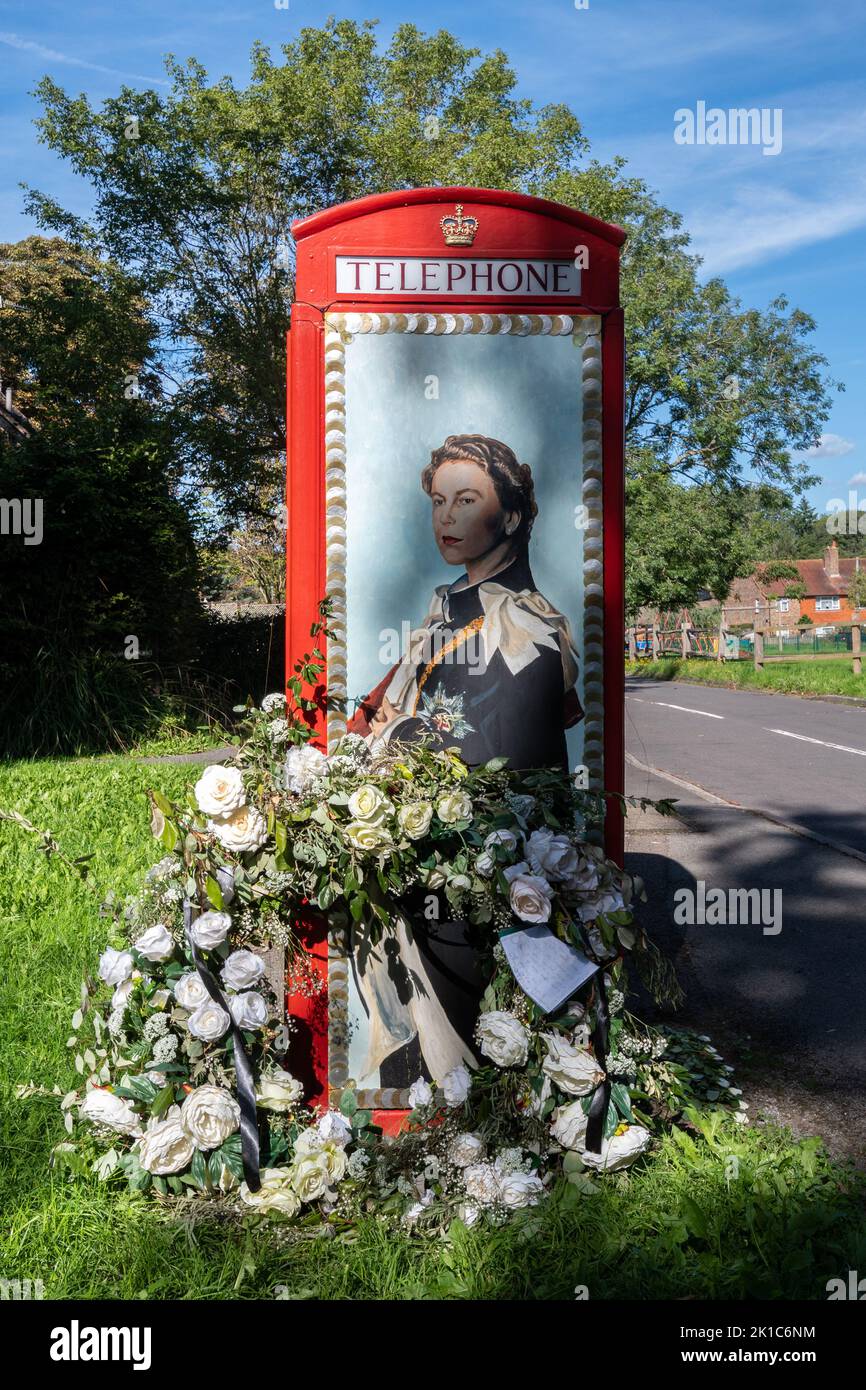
[(511, 479)]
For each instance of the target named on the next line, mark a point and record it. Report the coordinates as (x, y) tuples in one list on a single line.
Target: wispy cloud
[(830, 446), (757, 224), (856, 478), (51, 55)]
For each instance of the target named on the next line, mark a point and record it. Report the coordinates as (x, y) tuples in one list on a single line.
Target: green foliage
[(116, 562), (200, 203)]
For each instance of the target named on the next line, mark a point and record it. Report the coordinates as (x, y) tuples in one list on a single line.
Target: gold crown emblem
[(459, 230)]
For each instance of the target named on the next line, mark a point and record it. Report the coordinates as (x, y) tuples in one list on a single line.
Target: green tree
[(109, 589), (195, 190), (857, 589)]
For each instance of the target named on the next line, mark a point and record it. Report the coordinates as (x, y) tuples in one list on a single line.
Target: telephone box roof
[(408, 197)]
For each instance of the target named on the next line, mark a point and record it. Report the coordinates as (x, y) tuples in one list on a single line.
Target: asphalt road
[(772, 794), (800, 761)]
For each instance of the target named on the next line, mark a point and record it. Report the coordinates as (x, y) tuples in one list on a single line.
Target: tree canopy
[(195, 188)]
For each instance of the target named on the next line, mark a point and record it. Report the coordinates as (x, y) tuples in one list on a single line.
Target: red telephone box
[(435, 312)]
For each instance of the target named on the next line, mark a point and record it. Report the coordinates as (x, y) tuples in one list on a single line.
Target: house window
[(827, 604), (784, 605)]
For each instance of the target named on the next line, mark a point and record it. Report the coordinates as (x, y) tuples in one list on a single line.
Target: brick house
[(825, 601)]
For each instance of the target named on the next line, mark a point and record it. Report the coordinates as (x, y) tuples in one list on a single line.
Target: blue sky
[(789, 223)]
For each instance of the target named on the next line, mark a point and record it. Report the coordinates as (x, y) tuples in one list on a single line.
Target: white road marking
[(840, 747), (687, 710)]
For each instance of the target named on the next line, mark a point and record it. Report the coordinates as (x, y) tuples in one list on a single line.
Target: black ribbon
[(601, 1095), (243, 1070)]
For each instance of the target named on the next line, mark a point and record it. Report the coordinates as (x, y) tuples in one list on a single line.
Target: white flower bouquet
[(181, 1087)]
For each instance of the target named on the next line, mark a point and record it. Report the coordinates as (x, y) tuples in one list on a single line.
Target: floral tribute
[(180, 1041)]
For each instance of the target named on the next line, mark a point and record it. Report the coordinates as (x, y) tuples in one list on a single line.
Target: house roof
[(812, 574), (815, 578)]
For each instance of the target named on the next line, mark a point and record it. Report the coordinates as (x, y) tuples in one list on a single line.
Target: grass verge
[(830, 676)]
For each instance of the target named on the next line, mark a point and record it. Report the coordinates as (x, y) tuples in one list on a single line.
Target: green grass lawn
[(743, 1212), (830, 675)]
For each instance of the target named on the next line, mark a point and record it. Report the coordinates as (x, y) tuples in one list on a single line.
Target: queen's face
[(468, 519)]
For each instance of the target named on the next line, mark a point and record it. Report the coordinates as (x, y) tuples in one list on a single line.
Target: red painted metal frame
[(407, 223)]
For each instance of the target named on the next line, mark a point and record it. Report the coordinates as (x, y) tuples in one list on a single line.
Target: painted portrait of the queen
[(492, 669)]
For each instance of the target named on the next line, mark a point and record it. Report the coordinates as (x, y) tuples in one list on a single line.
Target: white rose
[(529, 897), (459, 883), (209, 1115), (220, 791), (454, 806), (572, 1069), (271, 703), (368, 803), (619, 1150), (335, 1158), (104, 1108), (420, 1093), (210, 929), (568, 1125), (611, 901), (503, 1039), (249, 1010), (551, 855), (335, 1128), (209, 1022), (309, 1141), (279, 1092), (303, 765), (166, 1147), (160, 998), (156, 943), (501, 837), (435, 877), (367, 835), (585, 876), (115, 966), (414, 819), (482, 1183), (520, 1189), (242, 970), (311, 1176), (190, 992), (120, 997), (468, 1213), (275, 1193), (244, 830), (456, 1086), (465, 1149), (486, 861)]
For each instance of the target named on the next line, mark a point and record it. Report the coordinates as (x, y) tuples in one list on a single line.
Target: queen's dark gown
[(491, 671)]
